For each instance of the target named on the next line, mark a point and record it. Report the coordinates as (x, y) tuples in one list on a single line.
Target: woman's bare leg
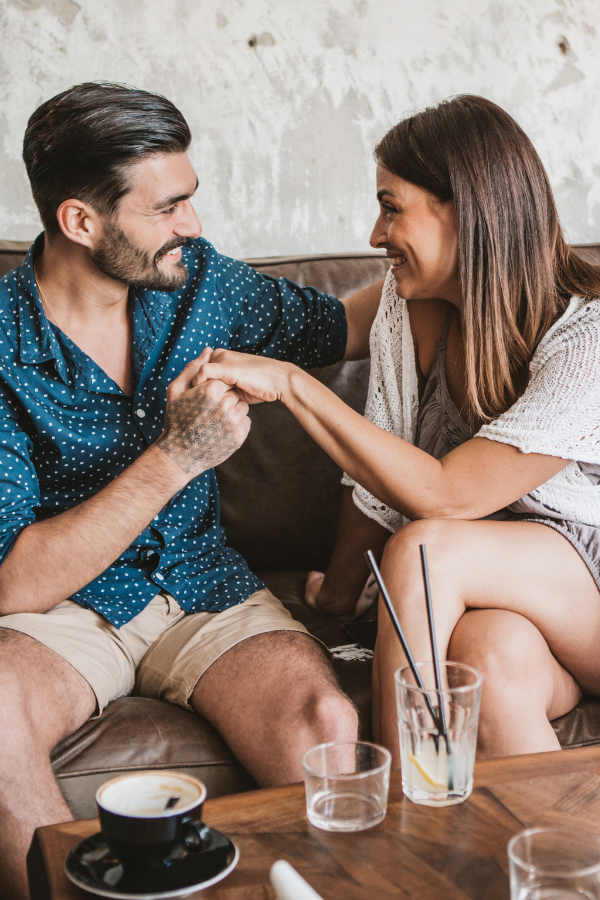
[(524, 686), (520, 567), (339, 591), (376, 701)]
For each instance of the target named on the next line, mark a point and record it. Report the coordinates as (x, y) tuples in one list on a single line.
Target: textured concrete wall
[(287, 97)]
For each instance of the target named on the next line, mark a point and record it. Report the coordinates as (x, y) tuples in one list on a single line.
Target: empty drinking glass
[(346, 785), (554, 864)]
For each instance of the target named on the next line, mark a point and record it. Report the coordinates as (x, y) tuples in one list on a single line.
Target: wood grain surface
[(416, 853)]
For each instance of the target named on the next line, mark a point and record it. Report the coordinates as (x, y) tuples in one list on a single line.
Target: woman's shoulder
[(575, 334), (559, 411), (581, 314)]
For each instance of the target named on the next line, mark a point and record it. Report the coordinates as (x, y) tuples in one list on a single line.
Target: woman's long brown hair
[(516, 271)]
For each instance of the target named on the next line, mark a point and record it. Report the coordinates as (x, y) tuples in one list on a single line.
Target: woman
[(482, 430)]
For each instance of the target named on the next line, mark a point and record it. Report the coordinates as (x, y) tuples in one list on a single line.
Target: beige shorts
[(160, 653)]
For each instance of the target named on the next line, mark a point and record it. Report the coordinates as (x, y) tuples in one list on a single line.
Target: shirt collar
[(38, 342)]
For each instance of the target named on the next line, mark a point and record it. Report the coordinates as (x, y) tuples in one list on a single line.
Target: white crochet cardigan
[(558, 414)]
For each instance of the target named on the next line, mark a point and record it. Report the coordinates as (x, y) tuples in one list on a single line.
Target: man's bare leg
[(42, 699), (272, 697)]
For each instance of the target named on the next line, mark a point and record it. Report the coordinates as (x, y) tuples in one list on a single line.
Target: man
[(110, 546)]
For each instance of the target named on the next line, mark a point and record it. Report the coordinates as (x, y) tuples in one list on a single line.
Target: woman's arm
[(478, 478), (338, 593), (361, 309)]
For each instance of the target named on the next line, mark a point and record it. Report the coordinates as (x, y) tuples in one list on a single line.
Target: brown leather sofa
[(279, 501)]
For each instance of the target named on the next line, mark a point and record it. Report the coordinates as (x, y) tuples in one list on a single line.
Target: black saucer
[(92, 866)]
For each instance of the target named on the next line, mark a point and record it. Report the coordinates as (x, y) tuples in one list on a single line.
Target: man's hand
[(205, 423)]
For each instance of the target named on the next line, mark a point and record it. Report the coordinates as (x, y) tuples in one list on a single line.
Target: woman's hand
[(368, 596), (312, 588), (256, 378), (316, 598)]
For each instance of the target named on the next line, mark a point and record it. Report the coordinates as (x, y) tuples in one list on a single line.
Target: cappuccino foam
[(147, 795)]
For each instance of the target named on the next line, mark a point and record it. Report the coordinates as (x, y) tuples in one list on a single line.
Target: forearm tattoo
[(198, 435)]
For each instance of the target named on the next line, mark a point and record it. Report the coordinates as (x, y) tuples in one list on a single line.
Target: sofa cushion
[(12, 254), (135, 733), (581, 726)]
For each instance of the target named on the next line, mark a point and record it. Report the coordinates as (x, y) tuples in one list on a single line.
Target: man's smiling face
[(141, 242)]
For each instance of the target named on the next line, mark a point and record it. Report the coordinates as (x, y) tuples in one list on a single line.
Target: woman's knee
[(403, 574), (505, 647), (402, 557), (431, 532)]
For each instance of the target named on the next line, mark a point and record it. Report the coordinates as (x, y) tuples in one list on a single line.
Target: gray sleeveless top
[(441, 429)]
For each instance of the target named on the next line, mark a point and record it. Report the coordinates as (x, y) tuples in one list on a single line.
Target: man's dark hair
[(82, 142)]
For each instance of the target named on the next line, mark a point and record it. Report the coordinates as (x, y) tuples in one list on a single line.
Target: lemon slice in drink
[(422, 768)]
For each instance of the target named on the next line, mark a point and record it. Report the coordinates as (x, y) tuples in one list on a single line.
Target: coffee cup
[(152, 820)]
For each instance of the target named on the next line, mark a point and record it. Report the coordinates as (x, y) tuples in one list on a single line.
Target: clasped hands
[(256, 379), (207, 406), (207, 420)]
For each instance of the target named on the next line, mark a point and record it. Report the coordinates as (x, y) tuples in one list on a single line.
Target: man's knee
[(332, 715), (38, 705), (325, 708), (15, 713)]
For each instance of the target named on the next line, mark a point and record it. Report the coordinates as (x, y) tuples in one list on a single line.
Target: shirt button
[(159, 577), (140, 413)]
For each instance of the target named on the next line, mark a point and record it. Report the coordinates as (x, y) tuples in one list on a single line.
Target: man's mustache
[(166, 248)]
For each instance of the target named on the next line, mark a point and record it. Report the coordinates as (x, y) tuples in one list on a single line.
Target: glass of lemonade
[(438, 771), (554, 864), (346, 785)]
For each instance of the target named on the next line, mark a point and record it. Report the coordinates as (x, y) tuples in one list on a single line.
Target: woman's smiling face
[(420, 235)]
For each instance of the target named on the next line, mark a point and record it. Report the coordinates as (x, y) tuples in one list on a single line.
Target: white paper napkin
[(289, 885)]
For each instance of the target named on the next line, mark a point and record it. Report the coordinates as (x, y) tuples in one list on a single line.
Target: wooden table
[(416, 852)]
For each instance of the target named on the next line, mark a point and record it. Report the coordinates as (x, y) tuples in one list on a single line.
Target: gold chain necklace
[(43, 296)]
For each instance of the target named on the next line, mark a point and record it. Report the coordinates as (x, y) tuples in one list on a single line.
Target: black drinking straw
[(436, 665), (400, 633)]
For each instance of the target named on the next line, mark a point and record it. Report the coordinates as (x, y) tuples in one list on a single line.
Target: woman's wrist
[(292, 387)]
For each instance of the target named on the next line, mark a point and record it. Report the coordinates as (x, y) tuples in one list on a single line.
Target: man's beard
[(117, 257)]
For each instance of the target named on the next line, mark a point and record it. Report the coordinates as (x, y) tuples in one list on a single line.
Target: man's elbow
[(14, 596), (10, 602)]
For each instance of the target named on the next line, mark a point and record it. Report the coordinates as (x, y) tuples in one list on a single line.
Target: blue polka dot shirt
[(66, 429)]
